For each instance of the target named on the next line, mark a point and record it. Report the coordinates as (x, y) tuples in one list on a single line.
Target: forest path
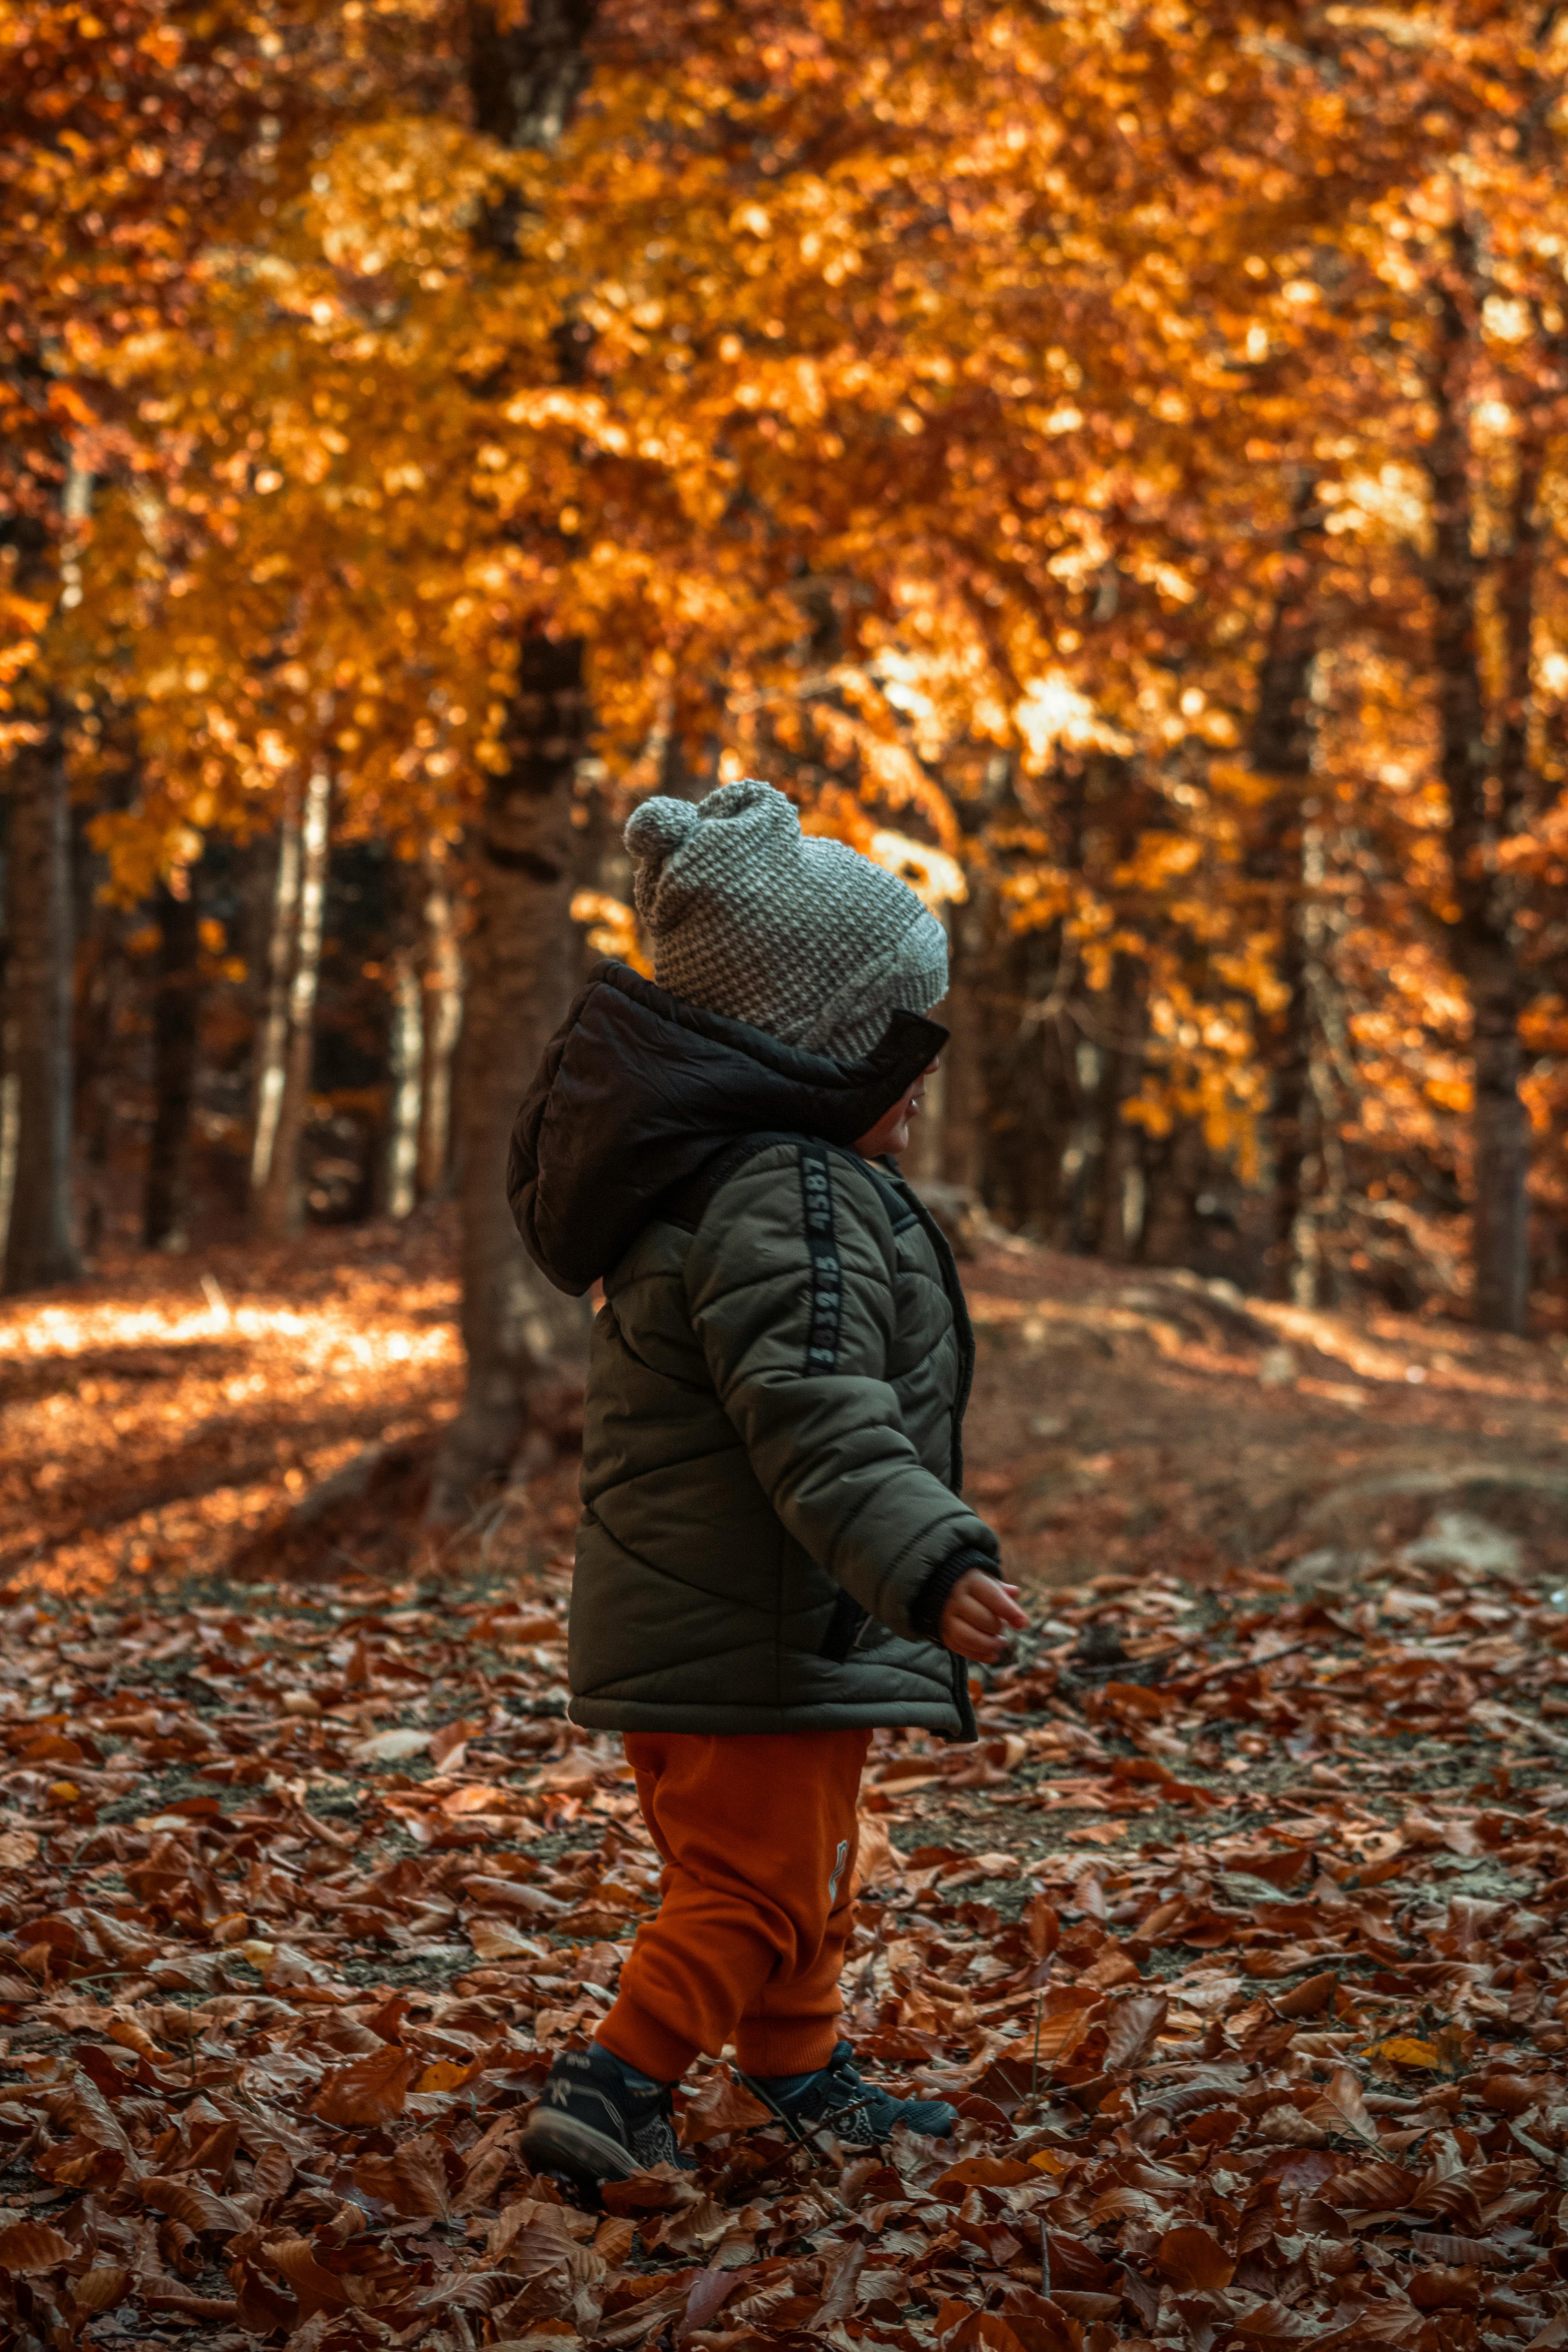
[(167, 1418)]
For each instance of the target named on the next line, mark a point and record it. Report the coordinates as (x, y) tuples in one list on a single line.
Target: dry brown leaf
[(722, 2105), (29, 2247), (1193, 2259), (1132, 2025), (369, 2091)]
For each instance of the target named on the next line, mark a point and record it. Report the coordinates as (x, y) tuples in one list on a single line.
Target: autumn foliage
[(1103, 461)]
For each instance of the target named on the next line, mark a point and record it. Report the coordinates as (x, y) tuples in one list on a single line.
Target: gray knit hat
[(801, 937)]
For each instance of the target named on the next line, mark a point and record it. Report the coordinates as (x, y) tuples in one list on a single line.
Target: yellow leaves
[(446, 2075), (164, 44), (931, 875), (1157, 859), (612, 929), (1234, 780), (395, 194), (1052, 711), (1406, 2049)]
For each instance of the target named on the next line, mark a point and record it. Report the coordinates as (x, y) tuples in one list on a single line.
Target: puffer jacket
[(771, 1453)]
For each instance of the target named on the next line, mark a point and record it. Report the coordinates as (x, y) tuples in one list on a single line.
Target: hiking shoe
[(598, 2119), (835, 2098)]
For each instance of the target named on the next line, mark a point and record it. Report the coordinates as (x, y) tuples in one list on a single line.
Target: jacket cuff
[(932, 1600)]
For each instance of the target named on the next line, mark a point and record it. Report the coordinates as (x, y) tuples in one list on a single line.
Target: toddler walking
[(773, 1556)]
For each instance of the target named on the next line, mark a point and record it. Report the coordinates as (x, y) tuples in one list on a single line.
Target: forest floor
[(1238, 1939), (166, 1420)]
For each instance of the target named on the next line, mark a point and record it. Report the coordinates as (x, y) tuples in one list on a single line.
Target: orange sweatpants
[(757, 1832)]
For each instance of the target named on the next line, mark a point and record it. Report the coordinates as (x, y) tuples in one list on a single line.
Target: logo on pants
[(840, 1859)]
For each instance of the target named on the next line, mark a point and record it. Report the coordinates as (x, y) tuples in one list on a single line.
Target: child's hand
[(980, 1613)]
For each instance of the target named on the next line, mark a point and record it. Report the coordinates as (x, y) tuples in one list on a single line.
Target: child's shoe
[(598, 2119), (835, 2098)]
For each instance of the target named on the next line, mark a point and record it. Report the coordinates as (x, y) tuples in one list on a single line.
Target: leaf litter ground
[(1239, 1942)]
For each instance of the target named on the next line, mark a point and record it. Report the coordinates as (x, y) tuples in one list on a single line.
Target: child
[(773, 1556)]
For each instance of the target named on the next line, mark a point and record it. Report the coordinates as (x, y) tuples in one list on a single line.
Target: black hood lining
[(639, 1089), (907, 1046)]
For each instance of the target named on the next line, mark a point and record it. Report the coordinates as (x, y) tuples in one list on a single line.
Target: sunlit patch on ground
[(149, 1421)]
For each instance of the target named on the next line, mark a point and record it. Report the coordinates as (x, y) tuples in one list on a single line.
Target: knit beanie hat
[(799, 936)]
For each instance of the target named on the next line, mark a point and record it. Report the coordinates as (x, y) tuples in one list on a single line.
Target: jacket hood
[(638, 1088)]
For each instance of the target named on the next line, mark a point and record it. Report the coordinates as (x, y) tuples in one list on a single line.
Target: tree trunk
[(1283, 749), (1482, 936), (280, 1208), (407, 1058), (523, 1340), (99, 977), (441, 1016), (963, 1094), (1170, 1211), (40, 1246), (272, 1048), (1122, 1209), (526, 76), (1516, 777), (176, 1006)]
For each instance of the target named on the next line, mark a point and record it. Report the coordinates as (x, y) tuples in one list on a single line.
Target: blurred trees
[(1108, 463)]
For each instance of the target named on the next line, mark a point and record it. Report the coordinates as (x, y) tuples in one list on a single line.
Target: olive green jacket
[(771, 1459)]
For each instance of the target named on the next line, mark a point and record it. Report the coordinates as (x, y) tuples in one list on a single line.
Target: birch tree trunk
[(1282, 746), (441, 1019), (273, 1046), (1481, 935), (166, 1198), (408, 1055), (40, 1242), (281, 1207), (1122, 1218)]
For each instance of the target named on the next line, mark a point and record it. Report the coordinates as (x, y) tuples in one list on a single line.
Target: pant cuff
[(639, 2039), (787, 2048)]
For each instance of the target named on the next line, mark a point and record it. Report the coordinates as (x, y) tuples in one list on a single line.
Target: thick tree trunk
[(40, 1246), (523, 1340), (281, 1207), (441, 1018), (1482, 936), (177, 1007), (524, 1343)]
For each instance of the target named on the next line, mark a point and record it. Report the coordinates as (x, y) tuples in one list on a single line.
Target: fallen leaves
[(370, 2091), (276, 1994)]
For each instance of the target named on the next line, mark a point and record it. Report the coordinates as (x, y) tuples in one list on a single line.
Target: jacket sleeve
[(790, 1284)]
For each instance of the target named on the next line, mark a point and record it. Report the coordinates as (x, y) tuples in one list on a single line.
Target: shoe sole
[(559, 2143)]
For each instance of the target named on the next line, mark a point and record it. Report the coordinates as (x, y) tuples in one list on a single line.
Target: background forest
[(1106, 460)]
